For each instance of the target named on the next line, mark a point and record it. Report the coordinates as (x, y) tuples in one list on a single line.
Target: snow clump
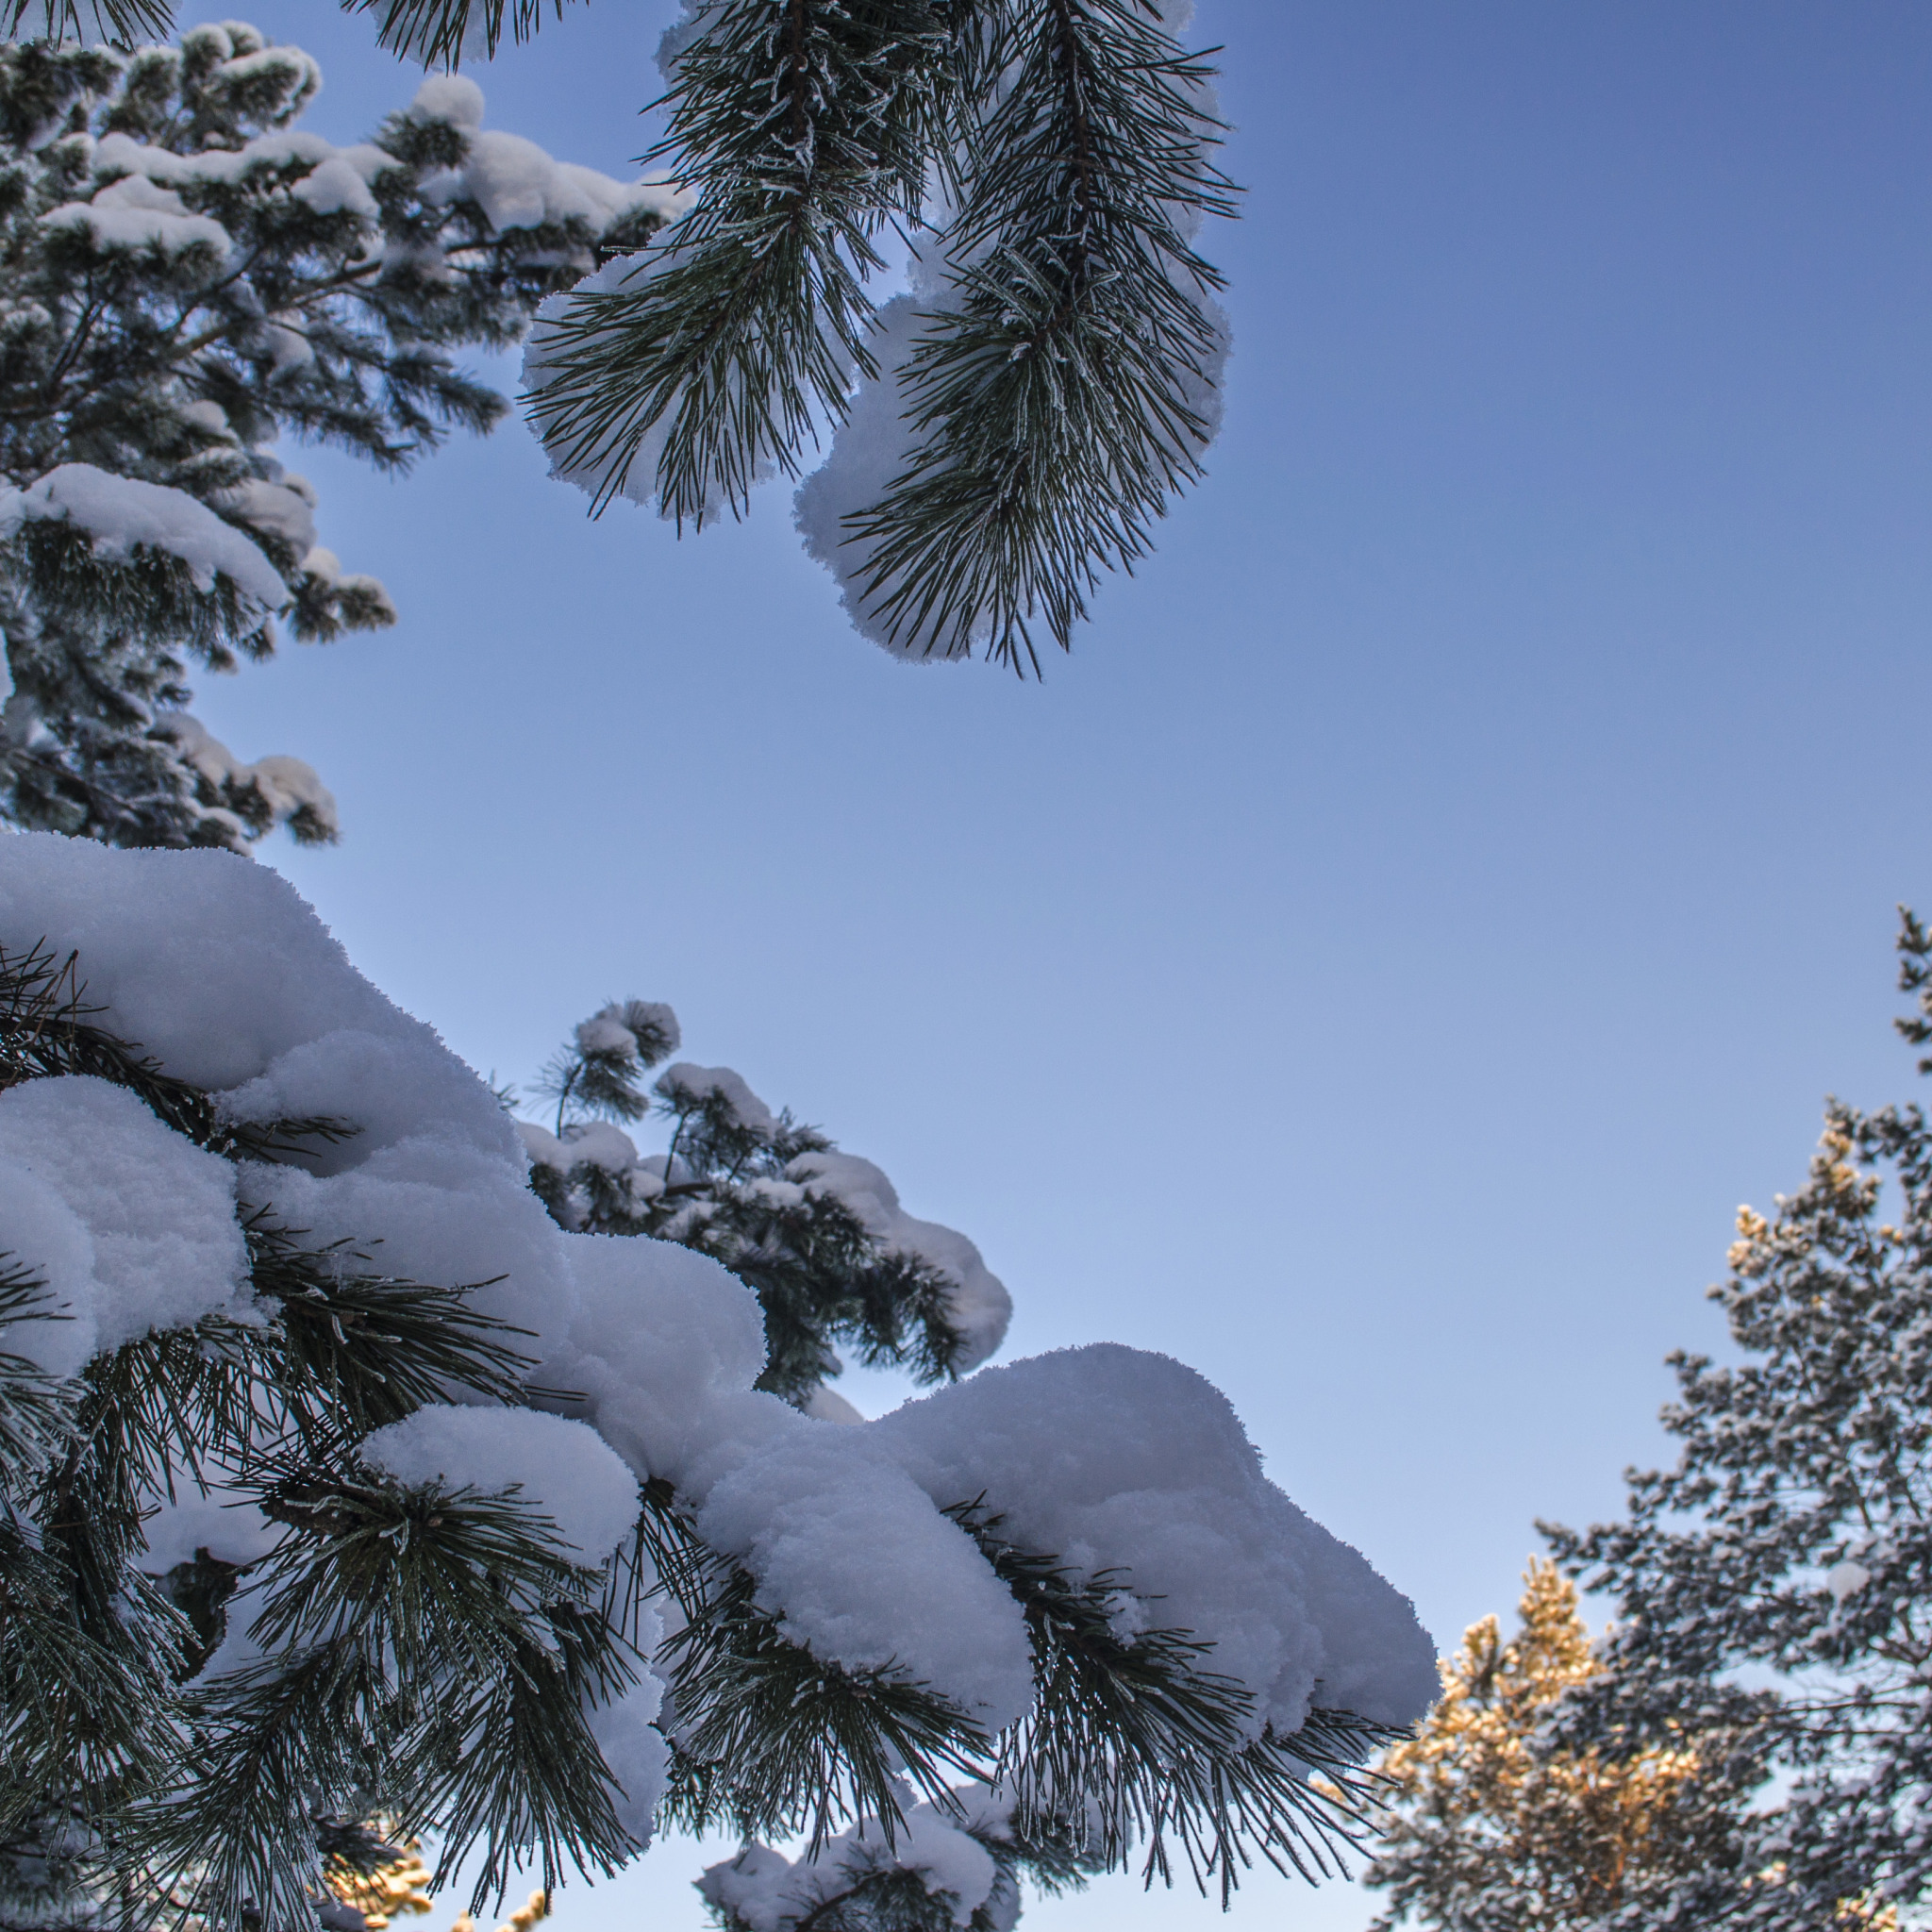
[(562, 1469), (1108, 1459), (978, 1306), (131, 1226), (122, 516), (770, 1893)]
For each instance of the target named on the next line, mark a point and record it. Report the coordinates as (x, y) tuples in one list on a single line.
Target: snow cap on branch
[(132, 1227), (687, 1086), (1106, 1460), (122, 516), (563, 1468), (765, 1891), (1126, 1462), (978, 1304)]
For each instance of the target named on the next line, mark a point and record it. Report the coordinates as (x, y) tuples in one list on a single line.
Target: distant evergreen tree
[(1774, 1589), (1487, 1831), (187, 276), (819, 1235)]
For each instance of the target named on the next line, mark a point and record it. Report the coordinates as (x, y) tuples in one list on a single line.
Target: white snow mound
[(1126, 1463), (131, 1226), (563, 1468), (1110, 1459)]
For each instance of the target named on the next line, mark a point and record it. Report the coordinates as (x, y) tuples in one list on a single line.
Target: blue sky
[(1438, 887)]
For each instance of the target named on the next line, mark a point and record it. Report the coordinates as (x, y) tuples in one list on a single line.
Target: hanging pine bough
[(300, 1533), (187, 278), (1025, 415), (122, 21)]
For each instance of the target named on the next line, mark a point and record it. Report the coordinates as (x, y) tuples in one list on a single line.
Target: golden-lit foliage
[(400, 1886), (1489, 1833), (1558, 1836), (532, 1911)]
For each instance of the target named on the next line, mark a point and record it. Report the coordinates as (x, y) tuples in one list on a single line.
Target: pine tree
[(1002, 436), (346, 1497), (186, 276), (1488, 1832), (1776, 1587), (818, 1235)]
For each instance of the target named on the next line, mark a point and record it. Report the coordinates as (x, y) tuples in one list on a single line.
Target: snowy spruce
[(187, 277), (341, 1481)]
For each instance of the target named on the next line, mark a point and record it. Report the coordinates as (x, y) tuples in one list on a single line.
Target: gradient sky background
[(1437, 890)]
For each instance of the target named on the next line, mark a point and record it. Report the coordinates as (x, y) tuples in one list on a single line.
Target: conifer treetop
[(1774, 1587), (188, 278)]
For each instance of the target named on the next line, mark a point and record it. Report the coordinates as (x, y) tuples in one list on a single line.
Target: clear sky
[(1437, 888)]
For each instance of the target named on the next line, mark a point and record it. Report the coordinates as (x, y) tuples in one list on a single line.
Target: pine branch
[(268, 1742), (355, 1348), (724, 1187), (666, 1557), (83, 1712), (1059, 392), (1137, 1742), (46, 1029), (122, 23), (92, 1649), (425, 1643), (806, 126), (800, 1744), (36, 1411), (859, 1883), (437, 33)]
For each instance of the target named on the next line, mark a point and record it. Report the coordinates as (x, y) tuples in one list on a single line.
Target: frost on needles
[(188, 279), (338, 1479)]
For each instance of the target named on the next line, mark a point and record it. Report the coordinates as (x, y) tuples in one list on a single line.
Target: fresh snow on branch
[(134, 213), (762, 1891), (517, 185), (133, 1229), (820, 1234), (691, 1087), (1126, 1468), (563, 1468), (122, 516), (979, 1304), (241, 796)]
